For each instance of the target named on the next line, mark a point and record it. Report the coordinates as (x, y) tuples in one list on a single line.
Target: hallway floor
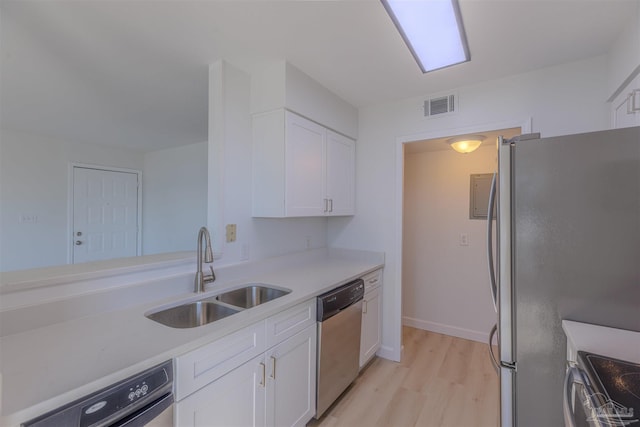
[(441, 381)]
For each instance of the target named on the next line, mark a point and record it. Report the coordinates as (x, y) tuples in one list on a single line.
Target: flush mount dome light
[(466, 144), (432, 29)]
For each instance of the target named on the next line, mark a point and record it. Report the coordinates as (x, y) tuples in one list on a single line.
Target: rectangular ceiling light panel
[(432, 29)]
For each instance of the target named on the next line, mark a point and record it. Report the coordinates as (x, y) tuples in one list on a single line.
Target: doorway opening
[(445, 284), (104, 213)]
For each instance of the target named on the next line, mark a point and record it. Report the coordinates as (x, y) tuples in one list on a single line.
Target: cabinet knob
[(78, 242)]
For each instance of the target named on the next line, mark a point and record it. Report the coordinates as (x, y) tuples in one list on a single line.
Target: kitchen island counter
[(53, 364)]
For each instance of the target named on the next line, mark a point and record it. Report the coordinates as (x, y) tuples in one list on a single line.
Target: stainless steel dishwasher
[(145, 399), (339, 325)]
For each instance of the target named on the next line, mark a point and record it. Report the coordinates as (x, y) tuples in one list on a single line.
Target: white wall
[(174, 198), (34, 174), (445, 285), (230, 155), (560, 100), (624, 57), (281, 85)]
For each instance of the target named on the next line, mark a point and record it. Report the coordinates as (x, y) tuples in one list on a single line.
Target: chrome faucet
[(202, 279)]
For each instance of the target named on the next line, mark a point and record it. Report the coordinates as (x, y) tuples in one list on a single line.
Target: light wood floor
[(441, 381)]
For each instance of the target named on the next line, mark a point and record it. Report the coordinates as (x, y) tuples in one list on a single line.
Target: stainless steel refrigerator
[(566, 245)]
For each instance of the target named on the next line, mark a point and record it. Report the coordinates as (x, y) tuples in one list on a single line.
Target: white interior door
[(105, 214)]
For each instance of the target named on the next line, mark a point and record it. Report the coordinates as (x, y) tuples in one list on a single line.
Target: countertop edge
[(617, 343)]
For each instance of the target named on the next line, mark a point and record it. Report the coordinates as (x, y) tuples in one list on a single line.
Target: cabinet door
[(371, 331), (199, 367), (236, 399), (291, 380), (341, 152), (305, 167), (623, 106), (289, 322)]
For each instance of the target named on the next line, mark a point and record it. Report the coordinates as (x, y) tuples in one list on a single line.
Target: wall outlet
[(464, 239), (231, 233), (307, 242), (28, 219)]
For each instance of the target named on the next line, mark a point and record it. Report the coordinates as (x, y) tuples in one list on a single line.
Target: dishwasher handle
[(147, 414)]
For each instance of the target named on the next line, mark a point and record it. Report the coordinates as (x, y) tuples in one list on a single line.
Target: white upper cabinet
[(625, 108), (300, 168), (305, 168), (341, 160)]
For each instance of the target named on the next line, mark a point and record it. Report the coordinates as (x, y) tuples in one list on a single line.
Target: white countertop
[(51, 365), (611, 342)]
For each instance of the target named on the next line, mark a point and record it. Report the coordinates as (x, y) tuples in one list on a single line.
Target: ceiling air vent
[(439, 105)]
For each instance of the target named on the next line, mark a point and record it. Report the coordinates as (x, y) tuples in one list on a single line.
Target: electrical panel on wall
[(437, 106), (479, 188)]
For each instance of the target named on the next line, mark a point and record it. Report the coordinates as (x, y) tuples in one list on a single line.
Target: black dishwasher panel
[(336, 300)]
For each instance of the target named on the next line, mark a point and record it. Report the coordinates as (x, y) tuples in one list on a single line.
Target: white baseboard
[(389, 353), (441, 328)]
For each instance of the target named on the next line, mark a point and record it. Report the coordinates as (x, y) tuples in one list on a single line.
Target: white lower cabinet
[(291, 380), (371, 337), (276, 388), (236, 399)]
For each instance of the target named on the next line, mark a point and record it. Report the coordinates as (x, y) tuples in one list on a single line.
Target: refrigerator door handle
[(492, 272), (494, 360)]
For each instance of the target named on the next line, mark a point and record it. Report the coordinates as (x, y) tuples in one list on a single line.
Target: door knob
[(78, 242)]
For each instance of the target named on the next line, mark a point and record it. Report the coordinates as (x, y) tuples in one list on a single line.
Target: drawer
[(372, 280), (198, 368), (288, 323)]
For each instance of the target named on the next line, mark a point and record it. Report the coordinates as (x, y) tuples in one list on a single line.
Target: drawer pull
[(264, 368), (273, 367)]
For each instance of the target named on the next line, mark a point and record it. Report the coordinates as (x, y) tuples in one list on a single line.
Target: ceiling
[(134, 73)]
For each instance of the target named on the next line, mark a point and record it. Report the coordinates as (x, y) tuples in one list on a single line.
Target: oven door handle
[(572, 376), (575, 376)]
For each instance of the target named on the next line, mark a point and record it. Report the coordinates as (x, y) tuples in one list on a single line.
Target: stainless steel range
[(602, 391)]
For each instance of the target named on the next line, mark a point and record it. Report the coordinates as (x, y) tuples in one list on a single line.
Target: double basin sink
[(212, 308)]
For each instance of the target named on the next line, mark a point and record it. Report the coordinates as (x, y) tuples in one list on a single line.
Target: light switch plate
[(231, 233)]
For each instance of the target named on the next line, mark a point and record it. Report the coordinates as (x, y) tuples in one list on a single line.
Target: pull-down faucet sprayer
[(202, 279)]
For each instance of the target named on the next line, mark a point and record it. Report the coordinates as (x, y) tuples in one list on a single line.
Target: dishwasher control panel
[(115, 402), (336, 300)]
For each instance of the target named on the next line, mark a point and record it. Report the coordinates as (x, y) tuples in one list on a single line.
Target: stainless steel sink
[(251, 295), (193, 314), (212, 308)]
